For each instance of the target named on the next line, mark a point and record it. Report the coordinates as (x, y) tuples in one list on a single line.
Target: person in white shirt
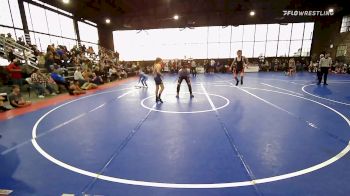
[(212, 65), (78, 76), (325, 64)]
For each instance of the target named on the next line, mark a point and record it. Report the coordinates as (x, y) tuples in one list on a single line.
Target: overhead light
[(252, 13), (108, 21), (331, 10), (176, 17), (65, 1)]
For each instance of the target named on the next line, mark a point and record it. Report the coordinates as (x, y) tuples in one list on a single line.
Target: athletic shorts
[(158, 80), (237, 71)]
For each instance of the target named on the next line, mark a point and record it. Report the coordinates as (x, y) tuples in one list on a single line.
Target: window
[(213, 50), (237, 33), (53, 23), (345, 25), (341, 50), (67, 27), (273, 31), (261, 31), (248, 49), (309, 28), (214, 34), (235, 46), (5, 16), (224, 50), (5, 30), (285, 31), (297, 31), (249, 31), (38, 16), (283, 49), (225, 34), (295, 48), (15, 14), (306, 48), (271, 49), (269, 40), (88, 33), (259, 49)]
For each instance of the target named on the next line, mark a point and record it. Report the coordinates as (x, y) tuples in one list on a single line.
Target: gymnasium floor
[(275, 135)]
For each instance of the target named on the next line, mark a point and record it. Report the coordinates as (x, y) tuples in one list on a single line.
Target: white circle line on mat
[(189, 186), (331, 100), (186, 112)]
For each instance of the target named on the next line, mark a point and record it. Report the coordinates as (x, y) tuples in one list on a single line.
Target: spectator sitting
[(15, 72), (74, 89), (96, 79), (16, 99), (2, 106), (60, 80), (122, 73), (41, 59), (87, 74), (112, 73), (49, 61), (78, 76), (9, 38), (40, 83), (98, 71), (20, 41)]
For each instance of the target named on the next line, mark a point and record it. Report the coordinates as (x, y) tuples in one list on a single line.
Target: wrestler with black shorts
[(238, 66), (184, 74), (157, 69)]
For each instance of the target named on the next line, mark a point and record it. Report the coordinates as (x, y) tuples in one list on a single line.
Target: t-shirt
[(57, 77), (14, 74), (184, 73), (325, 62), (14, 98), (78, 75), (193, 64)]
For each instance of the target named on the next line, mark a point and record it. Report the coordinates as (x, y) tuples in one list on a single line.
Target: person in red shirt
[(15, 72)]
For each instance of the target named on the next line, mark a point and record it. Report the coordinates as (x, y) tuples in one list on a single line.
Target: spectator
[(20, 41), (16, 99), (60, 80), (74, 89), (275, 64), (40, 83), (291, 67), (96, 79), (11, 56), (49, 61), (15, 72), (212, 65), (9, 38), (41, 59), (2, 105), (78, 76), (266, 66)]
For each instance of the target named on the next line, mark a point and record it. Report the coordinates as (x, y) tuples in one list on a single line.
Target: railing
[(21, 52)]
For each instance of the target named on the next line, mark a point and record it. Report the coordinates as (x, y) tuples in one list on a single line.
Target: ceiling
[(147, 14)]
